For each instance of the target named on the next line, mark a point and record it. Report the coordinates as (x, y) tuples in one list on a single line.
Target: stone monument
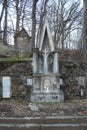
[(6, 87), (46, 81)]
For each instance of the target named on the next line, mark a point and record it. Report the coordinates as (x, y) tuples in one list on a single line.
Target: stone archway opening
[(50, 63)]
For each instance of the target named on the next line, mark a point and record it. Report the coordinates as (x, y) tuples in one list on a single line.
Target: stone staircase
[(44, 123)]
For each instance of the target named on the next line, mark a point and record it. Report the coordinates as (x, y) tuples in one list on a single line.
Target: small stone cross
[(45, 52)]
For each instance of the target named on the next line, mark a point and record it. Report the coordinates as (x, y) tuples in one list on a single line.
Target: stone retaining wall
[(20, 71)]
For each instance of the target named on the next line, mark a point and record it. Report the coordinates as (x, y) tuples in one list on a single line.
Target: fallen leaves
[(20, 108)]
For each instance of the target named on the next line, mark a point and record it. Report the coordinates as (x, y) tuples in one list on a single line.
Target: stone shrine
[(46, 81)]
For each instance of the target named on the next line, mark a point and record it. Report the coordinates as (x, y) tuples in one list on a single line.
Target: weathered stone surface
[(69, 71), (33, 107), (18, 73), (24, 43)]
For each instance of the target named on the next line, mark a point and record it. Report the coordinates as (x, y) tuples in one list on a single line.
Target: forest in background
[(65, 19)]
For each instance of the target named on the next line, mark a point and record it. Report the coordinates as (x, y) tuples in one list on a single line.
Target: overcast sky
[(81, 1)]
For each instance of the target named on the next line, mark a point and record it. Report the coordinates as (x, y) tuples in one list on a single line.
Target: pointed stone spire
[(45, 32)]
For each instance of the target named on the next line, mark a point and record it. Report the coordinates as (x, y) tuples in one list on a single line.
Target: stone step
[(67, 120), (43, 127), (46, 120), (47, 123)]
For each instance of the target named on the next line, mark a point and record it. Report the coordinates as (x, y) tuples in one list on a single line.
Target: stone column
[(55, 63), (45, 64), (35, 64), (45, 61)]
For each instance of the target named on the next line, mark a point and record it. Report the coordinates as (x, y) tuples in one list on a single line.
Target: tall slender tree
[(1, 16), (17, 24), (84, 32), (34, 22), (5, 22), (85, 24)]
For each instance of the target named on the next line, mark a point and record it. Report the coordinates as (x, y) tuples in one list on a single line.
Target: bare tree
[(34, 22), (85, 24), (84, 33), (1, 16), (43, 12), (5, 22), (20, 6), (17, 24), (65, 18)]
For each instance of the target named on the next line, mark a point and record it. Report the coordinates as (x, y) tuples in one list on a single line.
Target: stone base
[(47, 97)]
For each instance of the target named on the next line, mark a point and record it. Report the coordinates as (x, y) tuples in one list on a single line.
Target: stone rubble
[(33, 107)]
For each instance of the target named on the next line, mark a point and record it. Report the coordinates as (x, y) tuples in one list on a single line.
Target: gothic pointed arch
[(46, 36), (50, 62), (40, 63)]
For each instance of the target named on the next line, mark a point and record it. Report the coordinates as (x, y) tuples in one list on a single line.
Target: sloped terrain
[(21, 108)]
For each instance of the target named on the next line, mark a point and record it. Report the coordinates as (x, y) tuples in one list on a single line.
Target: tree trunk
[(43, 13), (17, 26), (1, 16), (85, 27), (34, 22), (5, 22)]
